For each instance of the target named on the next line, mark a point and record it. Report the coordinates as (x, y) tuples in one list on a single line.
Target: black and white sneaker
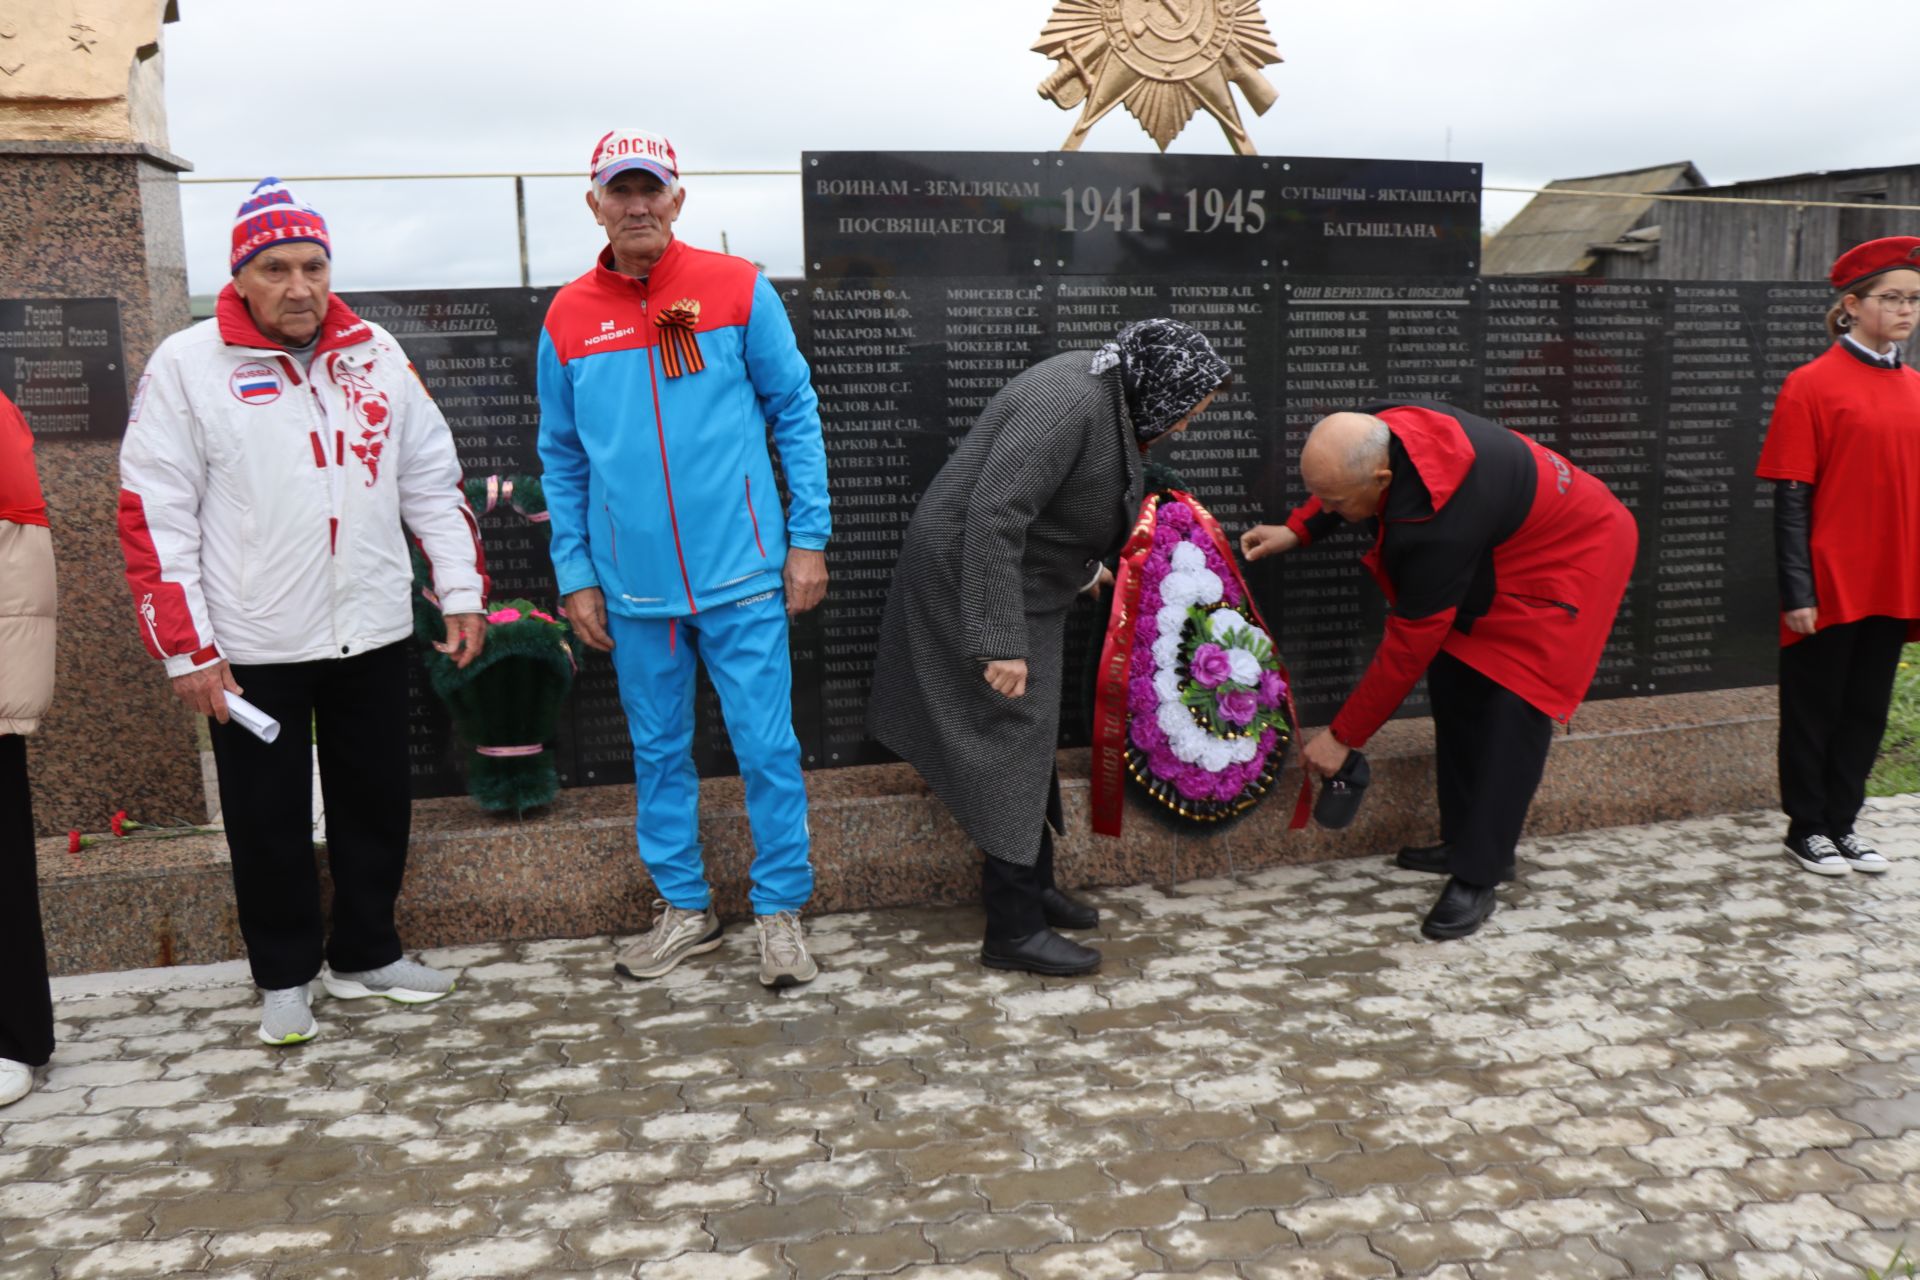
[(1817, 854), (1862, 856)]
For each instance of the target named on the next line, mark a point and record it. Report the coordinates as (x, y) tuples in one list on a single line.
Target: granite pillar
[(100, 219)]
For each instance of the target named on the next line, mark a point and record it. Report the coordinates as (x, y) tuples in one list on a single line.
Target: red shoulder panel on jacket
[(1438, 446), (721, 283), (601, 312), (586, 318)]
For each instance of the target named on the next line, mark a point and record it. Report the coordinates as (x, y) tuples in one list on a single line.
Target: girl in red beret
[(1843, 451)]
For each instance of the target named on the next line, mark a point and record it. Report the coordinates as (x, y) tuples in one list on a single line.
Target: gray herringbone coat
[(1045, 486)]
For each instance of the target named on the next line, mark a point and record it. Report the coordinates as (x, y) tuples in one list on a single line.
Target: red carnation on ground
[(119, 823), (74, 841)]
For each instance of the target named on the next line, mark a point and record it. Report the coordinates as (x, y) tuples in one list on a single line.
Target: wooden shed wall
[(1766, 242)]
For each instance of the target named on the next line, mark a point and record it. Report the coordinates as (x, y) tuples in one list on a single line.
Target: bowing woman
[(1843, 452), (967, 679)]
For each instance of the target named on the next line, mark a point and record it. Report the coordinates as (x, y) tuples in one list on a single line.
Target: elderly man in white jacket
[(272, 455)]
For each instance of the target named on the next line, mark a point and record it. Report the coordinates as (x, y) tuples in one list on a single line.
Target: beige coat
[(26, 625)]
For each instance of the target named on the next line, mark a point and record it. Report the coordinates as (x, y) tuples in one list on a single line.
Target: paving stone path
[(1670, 1054)]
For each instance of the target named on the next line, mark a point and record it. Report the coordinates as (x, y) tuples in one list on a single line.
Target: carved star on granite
[(83, 38)]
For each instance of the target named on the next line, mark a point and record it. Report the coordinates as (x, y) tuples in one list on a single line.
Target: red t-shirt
[(1851, 429), (20, 498)]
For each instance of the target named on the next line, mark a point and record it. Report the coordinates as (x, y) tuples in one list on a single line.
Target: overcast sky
[(1531, 89)]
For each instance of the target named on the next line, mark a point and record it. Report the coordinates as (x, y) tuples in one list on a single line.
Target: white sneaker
[(16, 1081), (287, 1017), (403, 982), (678, 932), (1819, 855), (784, 961), (1862, 856)]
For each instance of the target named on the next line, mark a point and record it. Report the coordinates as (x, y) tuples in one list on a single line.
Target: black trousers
[(1490, 748), (358, 708), (1835, 686), (1011, 892), (26, 1002)]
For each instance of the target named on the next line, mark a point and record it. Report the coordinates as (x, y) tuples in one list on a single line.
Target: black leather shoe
[(1042, 952), (1462, 908), (1431, 858), (1063, 912)]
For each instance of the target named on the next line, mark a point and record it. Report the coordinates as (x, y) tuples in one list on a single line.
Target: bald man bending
[(1504, 564)]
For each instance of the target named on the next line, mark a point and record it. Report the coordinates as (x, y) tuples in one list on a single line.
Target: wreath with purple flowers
[(1208, 716)]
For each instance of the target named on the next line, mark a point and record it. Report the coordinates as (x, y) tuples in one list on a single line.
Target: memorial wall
[(935, 278)]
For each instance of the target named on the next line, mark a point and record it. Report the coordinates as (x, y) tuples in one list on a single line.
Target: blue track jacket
[(656, 396)]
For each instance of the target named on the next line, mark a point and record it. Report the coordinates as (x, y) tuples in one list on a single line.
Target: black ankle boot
[(1045, 952), (1063, 912), (1461, 910), (1431, 858)]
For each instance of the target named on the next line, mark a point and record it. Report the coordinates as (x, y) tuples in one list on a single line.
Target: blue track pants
[(744, 647)]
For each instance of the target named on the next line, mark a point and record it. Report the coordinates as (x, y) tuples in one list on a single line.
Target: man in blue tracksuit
[(660, 370)]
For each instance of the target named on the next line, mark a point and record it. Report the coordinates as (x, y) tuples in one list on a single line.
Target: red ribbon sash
[(1116, 667)]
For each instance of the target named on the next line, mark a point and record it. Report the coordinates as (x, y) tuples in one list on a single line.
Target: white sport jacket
[(261, 504)]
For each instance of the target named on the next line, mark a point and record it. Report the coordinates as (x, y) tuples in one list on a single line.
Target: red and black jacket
[(1489, 547)]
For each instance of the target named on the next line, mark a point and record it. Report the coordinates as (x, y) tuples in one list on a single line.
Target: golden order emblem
[(1162, 59)]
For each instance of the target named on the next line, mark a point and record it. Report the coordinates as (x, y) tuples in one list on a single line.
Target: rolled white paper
[(252, 719)]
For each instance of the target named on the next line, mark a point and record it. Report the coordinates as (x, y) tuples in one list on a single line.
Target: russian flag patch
[(255, 383)]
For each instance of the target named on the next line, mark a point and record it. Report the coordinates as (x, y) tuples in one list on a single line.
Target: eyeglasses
[(1897, 301)]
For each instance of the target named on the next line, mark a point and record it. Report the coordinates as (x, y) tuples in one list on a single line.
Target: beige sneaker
[(676, 934), (784, 961)]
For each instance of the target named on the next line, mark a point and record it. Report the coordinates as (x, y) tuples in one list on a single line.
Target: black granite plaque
[(878, 214), (1615, 417), (1349, 341), (806, 644), (1527, 357), (877, 353), (1164, 215), (62, 363), (1711, 550), (1376, 217), (1793, 332), (1122, 214), (885, 214)]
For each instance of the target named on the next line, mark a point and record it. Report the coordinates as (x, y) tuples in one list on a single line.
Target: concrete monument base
[(882, 840)]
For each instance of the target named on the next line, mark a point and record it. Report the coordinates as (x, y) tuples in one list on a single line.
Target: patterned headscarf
[(1167, 367)]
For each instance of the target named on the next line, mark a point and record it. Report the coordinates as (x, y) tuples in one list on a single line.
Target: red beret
[(1873, 257)]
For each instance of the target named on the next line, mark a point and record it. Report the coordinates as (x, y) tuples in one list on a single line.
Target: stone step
[(880, 839)]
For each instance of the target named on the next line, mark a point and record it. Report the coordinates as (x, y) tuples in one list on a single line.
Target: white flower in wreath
[(1192, 744), (1172, 619), (1227, 621), (1198, 586), (1246, 667), (1166, 687), (1188, 558), (1182, 733), (1181, 589), (1166, 650)]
